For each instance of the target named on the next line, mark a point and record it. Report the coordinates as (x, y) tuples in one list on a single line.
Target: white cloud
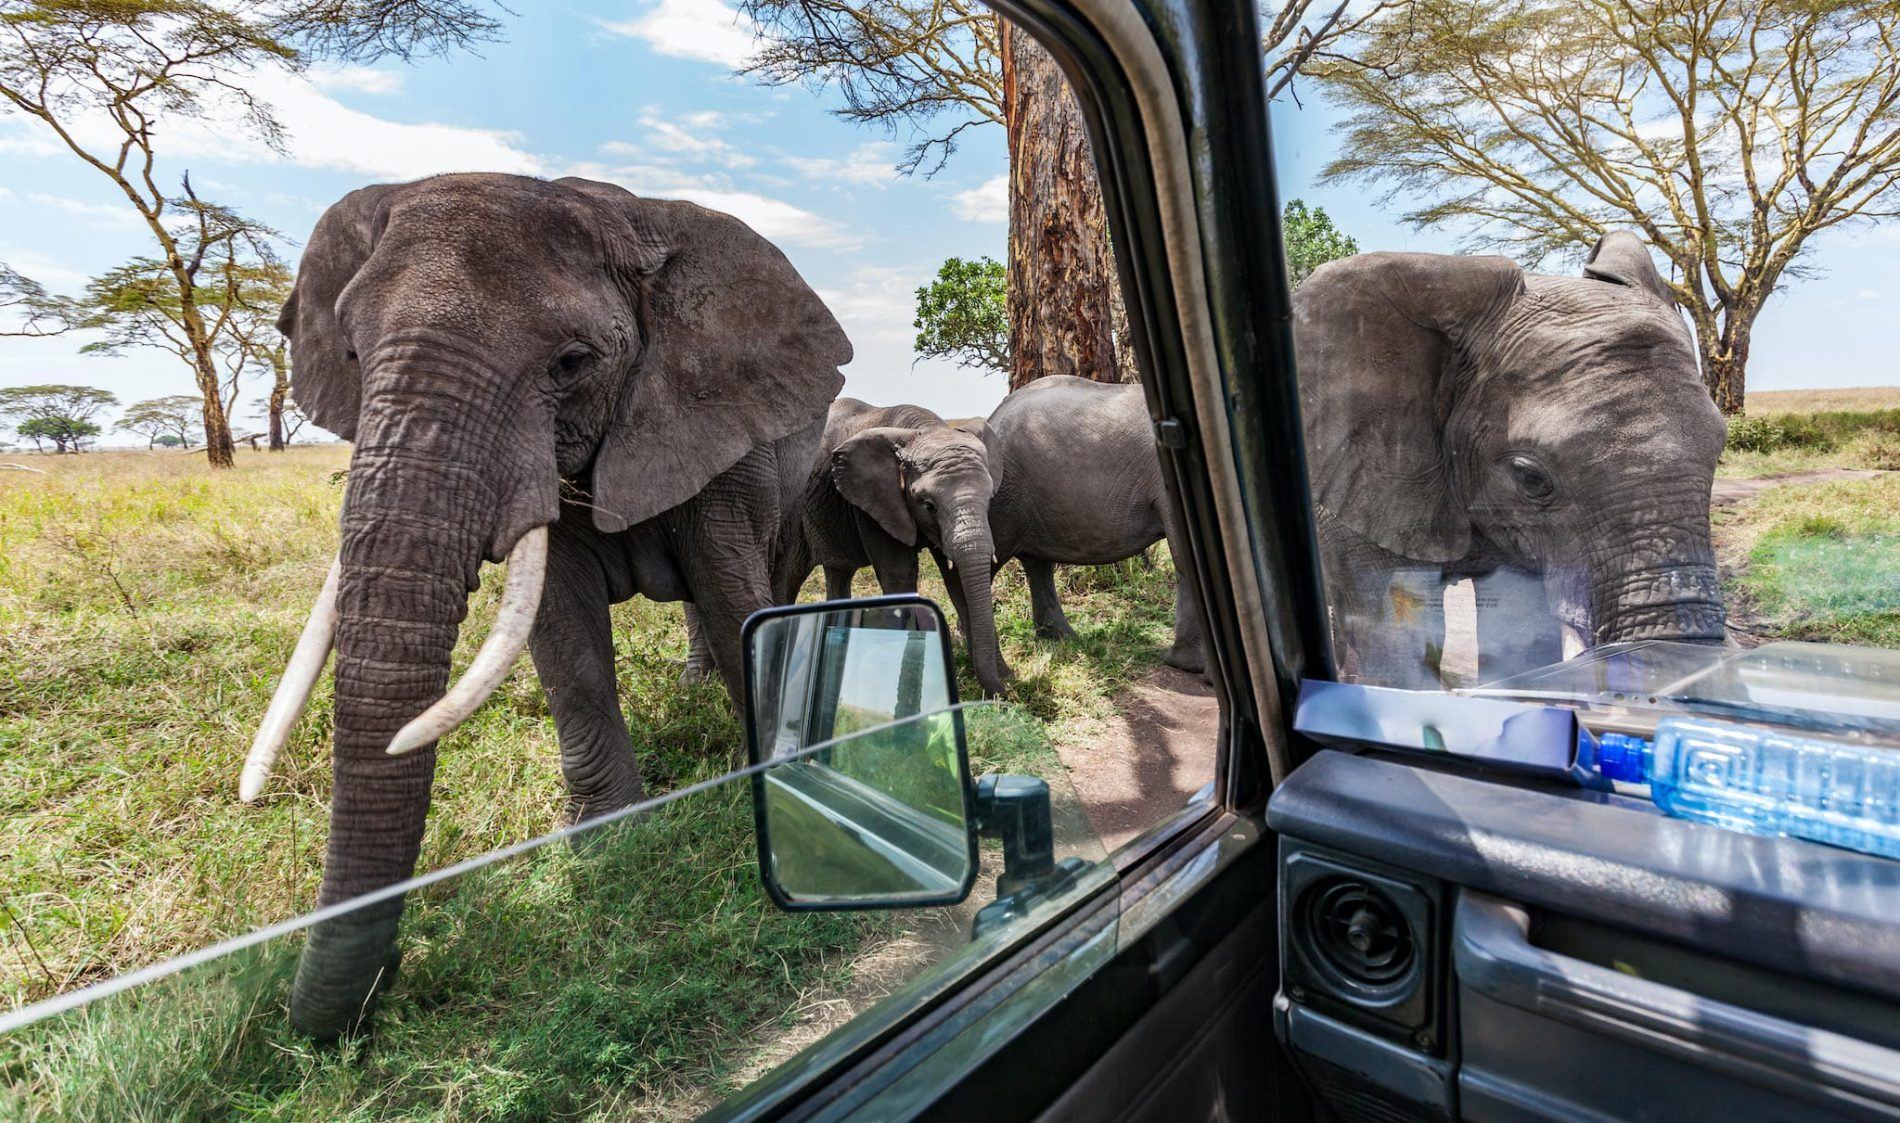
[(986, 202), (1868, 294), (777, 220), (361, 79), (872, 164), (878, 302), (706, 30), (691, 137), (320, 133)]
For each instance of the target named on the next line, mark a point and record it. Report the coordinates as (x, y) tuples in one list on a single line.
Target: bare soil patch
[(1135, 769)]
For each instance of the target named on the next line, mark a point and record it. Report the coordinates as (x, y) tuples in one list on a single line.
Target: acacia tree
[(55, 412), (1730, 132), (281, 416), (175, 415), (936, 69), (106, 78)]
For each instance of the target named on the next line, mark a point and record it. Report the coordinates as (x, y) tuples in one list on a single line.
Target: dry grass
[(1768, 402), (147, 606)]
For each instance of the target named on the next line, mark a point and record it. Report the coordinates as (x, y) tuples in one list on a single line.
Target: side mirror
[(870, 805)]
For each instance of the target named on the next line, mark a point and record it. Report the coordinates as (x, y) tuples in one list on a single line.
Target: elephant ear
[(1376, 336), (325, 381), (738, 352), (992, 451), (868, 470), (1622, 258)]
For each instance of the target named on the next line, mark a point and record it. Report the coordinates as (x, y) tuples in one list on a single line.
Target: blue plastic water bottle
[(1765, 781)]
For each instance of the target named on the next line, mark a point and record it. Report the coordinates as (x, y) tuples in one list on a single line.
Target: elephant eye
[(1531, 478), (573, 361), (930, 508)]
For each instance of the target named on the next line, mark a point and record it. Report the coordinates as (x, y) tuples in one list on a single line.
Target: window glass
[(1591, 348), (631, 964), (377, 389)]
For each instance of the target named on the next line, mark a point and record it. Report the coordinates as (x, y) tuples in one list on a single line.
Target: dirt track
[(1137, 768)]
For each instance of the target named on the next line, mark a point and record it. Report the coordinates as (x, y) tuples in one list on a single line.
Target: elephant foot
[(695, 673), (347, 964), (1055, 630), (1189, 659)]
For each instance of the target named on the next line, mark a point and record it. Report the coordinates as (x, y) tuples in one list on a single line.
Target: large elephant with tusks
[(619, 395)]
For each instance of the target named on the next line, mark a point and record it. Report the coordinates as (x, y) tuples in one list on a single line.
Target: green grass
[(1820, 561), (146, 609)]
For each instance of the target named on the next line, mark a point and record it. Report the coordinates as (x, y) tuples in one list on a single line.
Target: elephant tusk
[(520, 598), (293, 690)]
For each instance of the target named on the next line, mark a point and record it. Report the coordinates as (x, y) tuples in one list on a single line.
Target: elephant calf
[(1064, 472), (622, 396)]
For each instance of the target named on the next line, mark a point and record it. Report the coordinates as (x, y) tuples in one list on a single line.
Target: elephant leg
[(1044, 606), (1516, 630), (838, 582), (573, 650), (699, 662), (725, 596), (896, 570), (1189, 652)]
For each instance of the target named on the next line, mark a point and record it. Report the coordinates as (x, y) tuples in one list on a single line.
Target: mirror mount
[(1016, 811)]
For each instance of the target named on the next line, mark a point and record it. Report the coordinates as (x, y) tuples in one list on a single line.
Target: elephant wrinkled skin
[(648, 379), (1549, 437)]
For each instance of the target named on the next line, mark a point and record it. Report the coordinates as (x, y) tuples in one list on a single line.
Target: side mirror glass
[(865, 800)]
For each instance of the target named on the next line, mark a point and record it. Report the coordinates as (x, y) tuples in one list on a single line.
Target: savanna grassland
[(147, 607), (1816, 558)]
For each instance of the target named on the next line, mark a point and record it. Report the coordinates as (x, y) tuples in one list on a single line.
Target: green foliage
[(55, 412), (169, 421), (1311, 240), (68, 434), (1769, 434), (964, 315), (1777, 443)]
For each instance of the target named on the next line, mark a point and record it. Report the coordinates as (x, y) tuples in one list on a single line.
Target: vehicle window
[(1551, 408), (379, 383), (631, 963)]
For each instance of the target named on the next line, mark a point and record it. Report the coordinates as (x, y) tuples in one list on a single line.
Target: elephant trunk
[(1661, 584), (414, 536), (972, 553)]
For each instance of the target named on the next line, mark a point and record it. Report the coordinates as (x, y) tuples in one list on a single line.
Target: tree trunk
[(279, 390), (1725, 362), (1061, 275)]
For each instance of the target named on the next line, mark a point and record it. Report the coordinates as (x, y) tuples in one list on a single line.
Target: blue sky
[(643, 94)]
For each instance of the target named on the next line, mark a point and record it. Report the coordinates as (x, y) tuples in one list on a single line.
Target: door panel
[(1606, 960)]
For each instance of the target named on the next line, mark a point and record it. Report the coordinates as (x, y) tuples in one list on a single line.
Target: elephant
[(1063, 472), (1549, 437), (854, 513), (619, 395), (842, 538)]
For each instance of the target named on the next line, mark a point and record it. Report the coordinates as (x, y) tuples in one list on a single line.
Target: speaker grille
[(1359, 932)]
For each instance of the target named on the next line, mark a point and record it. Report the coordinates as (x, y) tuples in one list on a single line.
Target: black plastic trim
[(1797, 907)]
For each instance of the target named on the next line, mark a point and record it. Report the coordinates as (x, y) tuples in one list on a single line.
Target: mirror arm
[(1016, 810)]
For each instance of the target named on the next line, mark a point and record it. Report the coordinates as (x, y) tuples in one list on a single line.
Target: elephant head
[(933, 487), (1460, 410), (481, 339)]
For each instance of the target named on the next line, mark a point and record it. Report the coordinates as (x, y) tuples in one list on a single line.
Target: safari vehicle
[(1384, 907)]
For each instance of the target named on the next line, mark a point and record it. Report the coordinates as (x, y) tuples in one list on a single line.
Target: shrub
[(1769, 434)]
